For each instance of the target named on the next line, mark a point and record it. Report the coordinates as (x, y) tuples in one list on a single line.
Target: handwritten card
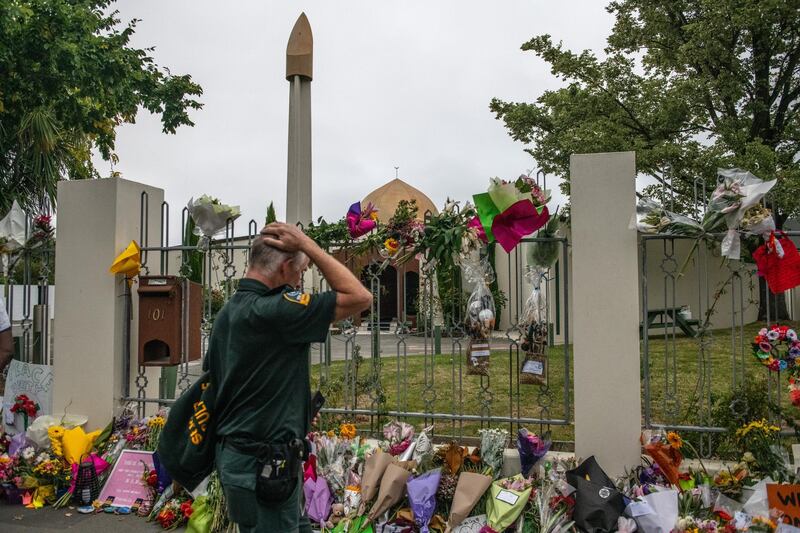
[(785, 498), (472, 524)]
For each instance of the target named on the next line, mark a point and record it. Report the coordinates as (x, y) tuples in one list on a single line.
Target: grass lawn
[(685, 381)]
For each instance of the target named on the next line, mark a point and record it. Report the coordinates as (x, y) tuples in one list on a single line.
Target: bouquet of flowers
[(175, 513), (760, 439), (736, 192), (361, 221), (210, 217), (331, 462), (507, 500), (552, 510), (398, 436), (666, 453), (8, 468), (468, 491), (422, 497), (532, 449), (25, 406), (651, 218), (403, 229), (767, 348), (493, 444), (509, 211)]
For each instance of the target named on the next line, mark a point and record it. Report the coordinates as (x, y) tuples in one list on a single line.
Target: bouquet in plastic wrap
[(508, 498), (534, 321), (398, 436), (493, 443), (532, 448), (509, 211), (422, 497), (480, 313), (332, 463), (210, 217), (737, 192), (652, 218)]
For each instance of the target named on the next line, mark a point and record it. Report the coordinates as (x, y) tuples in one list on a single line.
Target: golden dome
[(388, 197)]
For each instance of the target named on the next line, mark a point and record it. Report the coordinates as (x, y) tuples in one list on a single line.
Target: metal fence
[(27, 275), (703, 312), (412, 367)]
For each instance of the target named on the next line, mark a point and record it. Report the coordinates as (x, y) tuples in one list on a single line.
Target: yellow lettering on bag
[(198, 423)]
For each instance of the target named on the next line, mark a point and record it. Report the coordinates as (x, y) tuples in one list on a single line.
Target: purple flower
[(531, 449), (765, 347)]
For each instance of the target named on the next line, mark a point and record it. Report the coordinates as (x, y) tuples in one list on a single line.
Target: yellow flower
[(374, 216), (156, 421), (391, 245), (56, 434), (674, 440), (761, 426), (347, 431), (331, 433)]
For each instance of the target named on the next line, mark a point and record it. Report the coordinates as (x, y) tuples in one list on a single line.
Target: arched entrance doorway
[(387, 286)]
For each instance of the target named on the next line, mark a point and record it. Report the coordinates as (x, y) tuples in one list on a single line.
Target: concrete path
[(18, 519)]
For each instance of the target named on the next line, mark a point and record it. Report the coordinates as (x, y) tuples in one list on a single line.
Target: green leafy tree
[(68, 79), (689, 85)]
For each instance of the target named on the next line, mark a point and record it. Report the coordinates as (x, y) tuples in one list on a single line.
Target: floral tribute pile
[(404, 483)]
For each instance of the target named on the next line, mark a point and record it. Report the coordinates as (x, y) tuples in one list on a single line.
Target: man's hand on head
[(285, 237)]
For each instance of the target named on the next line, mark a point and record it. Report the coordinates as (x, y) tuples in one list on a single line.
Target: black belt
[(297, 447)]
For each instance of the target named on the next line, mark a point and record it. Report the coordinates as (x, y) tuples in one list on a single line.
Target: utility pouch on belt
[(277, 469), (277, 475)]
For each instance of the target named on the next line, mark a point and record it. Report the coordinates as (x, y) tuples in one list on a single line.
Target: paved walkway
[(18, 519)]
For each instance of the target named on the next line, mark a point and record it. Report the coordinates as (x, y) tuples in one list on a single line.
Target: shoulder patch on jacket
[(297, 297)]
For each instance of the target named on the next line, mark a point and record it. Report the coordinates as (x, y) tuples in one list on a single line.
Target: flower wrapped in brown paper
[(393, 487), (374, 467), (471, 486)]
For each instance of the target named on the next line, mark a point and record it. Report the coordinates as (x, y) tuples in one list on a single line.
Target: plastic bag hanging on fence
[(778, 262), (480, 314), (544, 253), (533, 370)]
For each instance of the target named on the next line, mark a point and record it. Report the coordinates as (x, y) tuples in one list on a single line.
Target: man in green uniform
[(258, 357)]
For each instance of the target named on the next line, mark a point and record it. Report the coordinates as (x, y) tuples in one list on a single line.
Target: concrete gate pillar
[(97, 219), (605, 309)]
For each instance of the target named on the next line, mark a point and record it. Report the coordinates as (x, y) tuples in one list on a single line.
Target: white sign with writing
[(34, 381), (472, 524)]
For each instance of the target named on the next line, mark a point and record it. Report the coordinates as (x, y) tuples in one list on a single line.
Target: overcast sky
[(403, 84)]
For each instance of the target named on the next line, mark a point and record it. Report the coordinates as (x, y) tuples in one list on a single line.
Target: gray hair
[(268, 259)]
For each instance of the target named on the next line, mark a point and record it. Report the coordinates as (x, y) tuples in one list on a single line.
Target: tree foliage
[(68, 78), (690, 85)]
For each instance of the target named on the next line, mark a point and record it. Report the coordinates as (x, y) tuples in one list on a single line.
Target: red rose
[(152, 478), (186, 509), (166, 518)]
